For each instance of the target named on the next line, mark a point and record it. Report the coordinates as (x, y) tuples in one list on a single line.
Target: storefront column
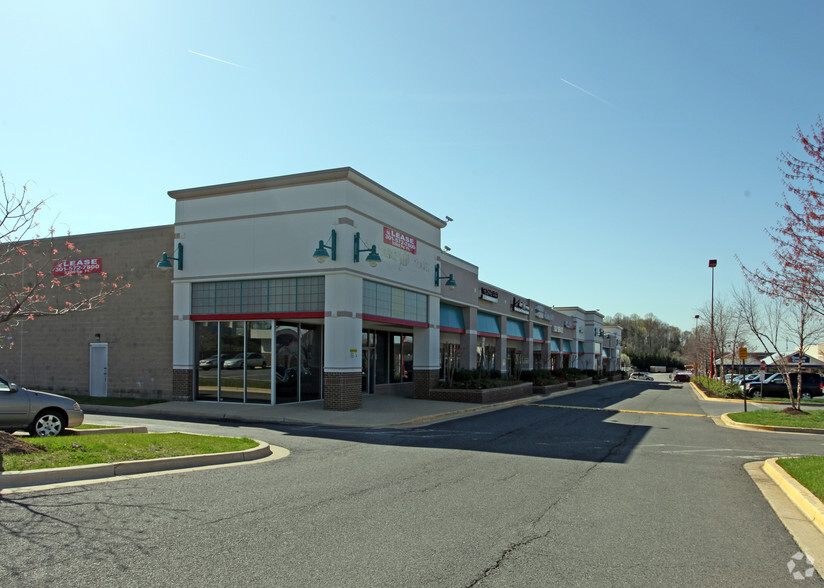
[(500, 351), (426, 351), (342, 342), (182, 343), (530, 344), (469, 340)]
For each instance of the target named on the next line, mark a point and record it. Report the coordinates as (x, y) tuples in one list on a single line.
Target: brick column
[(424, 381), (183, 383), (342, 391)]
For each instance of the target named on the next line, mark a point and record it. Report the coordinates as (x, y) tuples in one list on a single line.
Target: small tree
[(798, 272), (43, 275), (772, 320)]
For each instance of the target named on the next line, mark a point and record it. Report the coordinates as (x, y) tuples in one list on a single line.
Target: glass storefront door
[(236, 362)]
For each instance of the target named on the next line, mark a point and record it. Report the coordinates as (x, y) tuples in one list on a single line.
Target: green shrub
[(718, 388)]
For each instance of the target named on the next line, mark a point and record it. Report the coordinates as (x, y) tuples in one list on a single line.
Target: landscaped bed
[(66, 451), (807, 470), (781, 418)]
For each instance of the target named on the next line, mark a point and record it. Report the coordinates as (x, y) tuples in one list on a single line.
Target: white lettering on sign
[(77, 267), (399, 240)]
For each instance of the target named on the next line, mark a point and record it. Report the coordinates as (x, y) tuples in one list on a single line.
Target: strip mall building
[(386, 311)]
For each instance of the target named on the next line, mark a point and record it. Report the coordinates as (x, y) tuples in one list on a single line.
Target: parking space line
[(686, 414)]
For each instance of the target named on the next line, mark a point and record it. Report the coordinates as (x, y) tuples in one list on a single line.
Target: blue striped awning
[(452, 317), (488, 323), (515, 329)]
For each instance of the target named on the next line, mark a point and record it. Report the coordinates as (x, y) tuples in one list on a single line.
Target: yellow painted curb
[(772, 428), (807, 502)]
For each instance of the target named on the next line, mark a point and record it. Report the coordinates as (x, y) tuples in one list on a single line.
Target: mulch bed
[(11, 445)]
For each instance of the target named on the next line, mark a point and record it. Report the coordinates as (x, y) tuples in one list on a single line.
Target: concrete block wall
[(52, 353)]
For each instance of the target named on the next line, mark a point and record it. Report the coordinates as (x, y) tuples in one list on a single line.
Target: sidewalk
[(376, 411)]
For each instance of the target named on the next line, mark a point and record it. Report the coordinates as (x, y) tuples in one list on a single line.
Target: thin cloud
[(216, 59), (588, 93)]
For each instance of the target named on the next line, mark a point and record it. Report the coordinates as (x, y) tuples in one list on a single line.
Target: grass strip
[(74, 451), (776, 418), (807, 470)]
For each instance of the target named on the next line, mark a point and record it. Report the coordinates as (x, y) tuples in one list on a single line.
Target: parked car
[(681, 377), (40, 413), (775, 385), (253, 360), (640, 376), (214, 361)]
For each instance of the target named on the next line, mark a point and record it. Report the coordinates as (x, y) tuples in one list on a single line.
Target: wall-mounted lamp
[(321, 254), (450, 280), (373, 258), (166, 261)]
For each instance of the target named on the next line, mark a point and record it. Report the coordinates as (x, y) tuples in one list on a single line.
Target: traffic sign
[(742, 353)]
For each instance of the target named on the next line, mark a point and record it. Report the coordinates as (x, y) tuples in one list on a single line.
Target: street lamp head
[(713, 262)]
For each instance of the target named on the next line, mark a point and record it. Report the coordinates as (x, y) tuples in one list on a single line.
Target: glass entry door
[(368, 362)]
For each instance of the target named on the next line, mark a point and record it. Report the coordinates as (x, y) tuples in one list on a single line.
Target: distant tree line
[(649, 341)]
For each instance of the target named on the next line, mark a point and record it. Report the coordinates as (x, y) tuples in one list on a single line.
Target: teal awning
[(555, 346), (488, 323), (538, 333), (452, 317), (515, 329), (566, 346)]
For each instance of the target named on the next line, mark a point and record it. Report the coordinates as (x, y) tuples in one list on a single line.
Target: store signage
[(796, 357), (569, 324), (557, 329), (399, 240), (520, 305), (76, 267), (489, 295)]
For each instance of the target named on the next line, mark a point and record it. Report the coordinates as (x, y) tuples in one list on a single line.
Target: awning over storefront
[(538, 333), (555, 346), (515, 329), (452, 317), (566, 346), (580, 347), (488, 323)]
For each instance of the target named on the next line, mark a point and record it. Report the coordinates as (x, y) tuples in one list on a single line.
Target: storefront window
[(402, 358), (208, 361), (236, 362)]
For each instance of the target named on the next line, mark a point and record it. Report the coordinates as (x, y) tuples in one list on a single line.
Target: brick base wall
[(182, 384), (342, 391), (424, 381)]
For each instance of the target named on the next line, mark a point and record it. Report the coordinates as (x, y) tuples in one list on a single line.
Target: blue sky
[(593, 153)]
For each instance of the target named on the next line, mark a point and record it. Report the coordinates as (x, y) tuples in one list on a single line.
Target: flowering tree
[(43, 275), (796, 276)]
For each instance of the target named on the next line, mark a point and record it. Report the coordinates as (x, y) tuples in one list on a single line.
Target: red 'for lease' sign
[(76, 267)]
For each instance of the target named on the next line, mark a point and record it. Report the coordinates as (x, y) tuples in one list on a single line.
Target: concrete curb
[(772, 428), (127, 468), (807, 502)]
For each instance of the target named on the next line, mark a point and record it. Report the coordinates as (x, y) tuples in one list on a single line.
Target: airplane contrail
[(215, 58), (588, 93)]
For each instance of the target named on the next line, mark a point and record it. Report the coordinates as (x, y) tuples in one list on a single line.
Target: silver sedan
[(40, 413)]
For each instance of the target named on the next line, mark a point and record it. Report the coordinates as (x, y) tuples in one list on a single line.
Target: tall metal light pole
[(713, 263), (697, 354)]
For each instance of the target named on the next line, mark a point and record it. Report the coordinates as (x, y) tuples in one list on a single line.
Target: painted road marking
[(687, 414)]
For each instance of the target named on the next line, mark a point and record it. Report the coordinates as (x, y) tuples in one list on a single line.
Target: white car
[(253, 360), (640, 376)]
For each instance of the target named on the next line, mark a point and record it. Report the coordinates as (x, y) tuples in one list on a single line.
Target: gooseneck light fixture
[(712, 264), (450, 280), (165, 263), (321, 253), (372, 258)]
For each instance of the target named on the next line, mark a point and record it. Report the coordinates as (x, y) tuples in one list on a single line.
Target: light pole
[(697, 348), (713, 263)]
